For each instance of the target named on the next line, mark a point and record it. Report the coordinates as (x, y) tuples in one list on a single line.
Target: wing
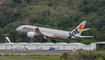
[(38, 31), (49, 35)]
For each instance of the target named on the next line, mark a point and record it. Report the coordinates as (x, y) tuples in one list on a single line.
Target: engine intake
[(32, 34)]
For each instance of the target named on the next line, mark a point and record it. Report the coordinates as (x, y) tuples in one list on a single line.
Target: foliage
[(87, 41), (20, 1), (2, 38), (28, 1), (6, 16), (88, 55), (51, 3), (64, 56), (86, 9), (18, 40), (34, 20), (100, 48), (101, 12), (46, 12), (17, 1)]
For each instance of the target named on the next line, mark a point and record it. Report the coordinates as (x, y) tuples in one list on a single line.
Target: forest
[(56, 14)]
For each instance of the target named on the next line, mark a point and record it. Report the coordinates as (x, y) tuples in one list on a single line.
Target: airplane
[(33, 31)]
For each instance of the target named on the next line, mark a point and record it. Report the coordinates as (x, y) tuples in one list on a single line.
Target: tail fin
[(79, 28)]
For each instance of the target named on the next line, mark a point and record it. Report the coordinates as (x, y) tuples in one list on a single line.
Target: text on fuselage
[(27, 28), (73, 33)]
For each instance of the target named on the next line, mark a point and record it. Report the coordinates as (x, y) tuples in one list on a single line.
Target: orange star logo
[(80, 27)]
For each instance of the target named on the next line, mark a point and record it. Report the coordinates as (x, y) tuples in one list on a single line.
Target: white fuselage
[(33, 31), (58, 34)]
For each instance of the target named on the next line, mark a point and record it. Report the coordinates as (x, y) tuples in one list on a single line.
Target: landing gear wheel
[(54, 41), (21, 34), (44, 40)]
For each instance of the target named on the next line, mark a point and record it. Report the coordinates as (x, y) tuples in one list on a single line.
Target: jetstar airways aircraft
[(33, 31)]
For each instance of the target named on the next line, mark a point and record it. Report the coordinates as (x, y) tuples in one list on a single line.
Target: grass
[(32, 55), (29, 58), (43, 55)]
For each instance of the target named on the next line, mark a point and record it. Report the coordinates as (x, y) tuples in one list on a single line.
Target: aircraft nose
[(17, 29)]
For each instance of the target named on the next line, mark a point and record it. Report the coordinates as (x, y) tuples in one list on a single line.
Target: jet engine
[(32, 34)]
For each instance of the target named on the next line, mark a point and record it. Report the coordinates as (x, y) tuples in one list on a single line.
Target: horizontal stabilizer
[(87, 37), (86, 29), (79, 36)]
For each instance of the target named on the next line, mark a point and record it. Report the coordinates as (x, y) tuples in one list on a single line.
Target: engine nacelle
[(31, 34)]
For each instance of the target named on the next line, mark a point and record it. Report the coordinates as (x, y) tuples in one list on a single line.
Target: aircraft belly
[(61, 35)]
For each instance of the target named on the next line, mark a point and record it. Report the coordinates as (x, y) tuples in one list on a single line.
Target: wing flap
[(44, 33)]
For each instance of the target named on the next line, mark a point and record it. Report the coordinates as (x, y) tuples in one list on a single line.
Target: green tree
[(33, 20), (28, 1), (13, 35), (101, 12), (86, 9), (99, 58), (6, 16), (17, 1), (2, 38), (46, 12), (18, 40), (87, 41), (21, 13), (64, 56), (103, 36)]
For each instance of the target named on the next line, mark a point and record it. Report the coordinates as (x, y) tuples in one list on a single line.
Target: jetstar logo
[(29, 29), (75, 31)]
